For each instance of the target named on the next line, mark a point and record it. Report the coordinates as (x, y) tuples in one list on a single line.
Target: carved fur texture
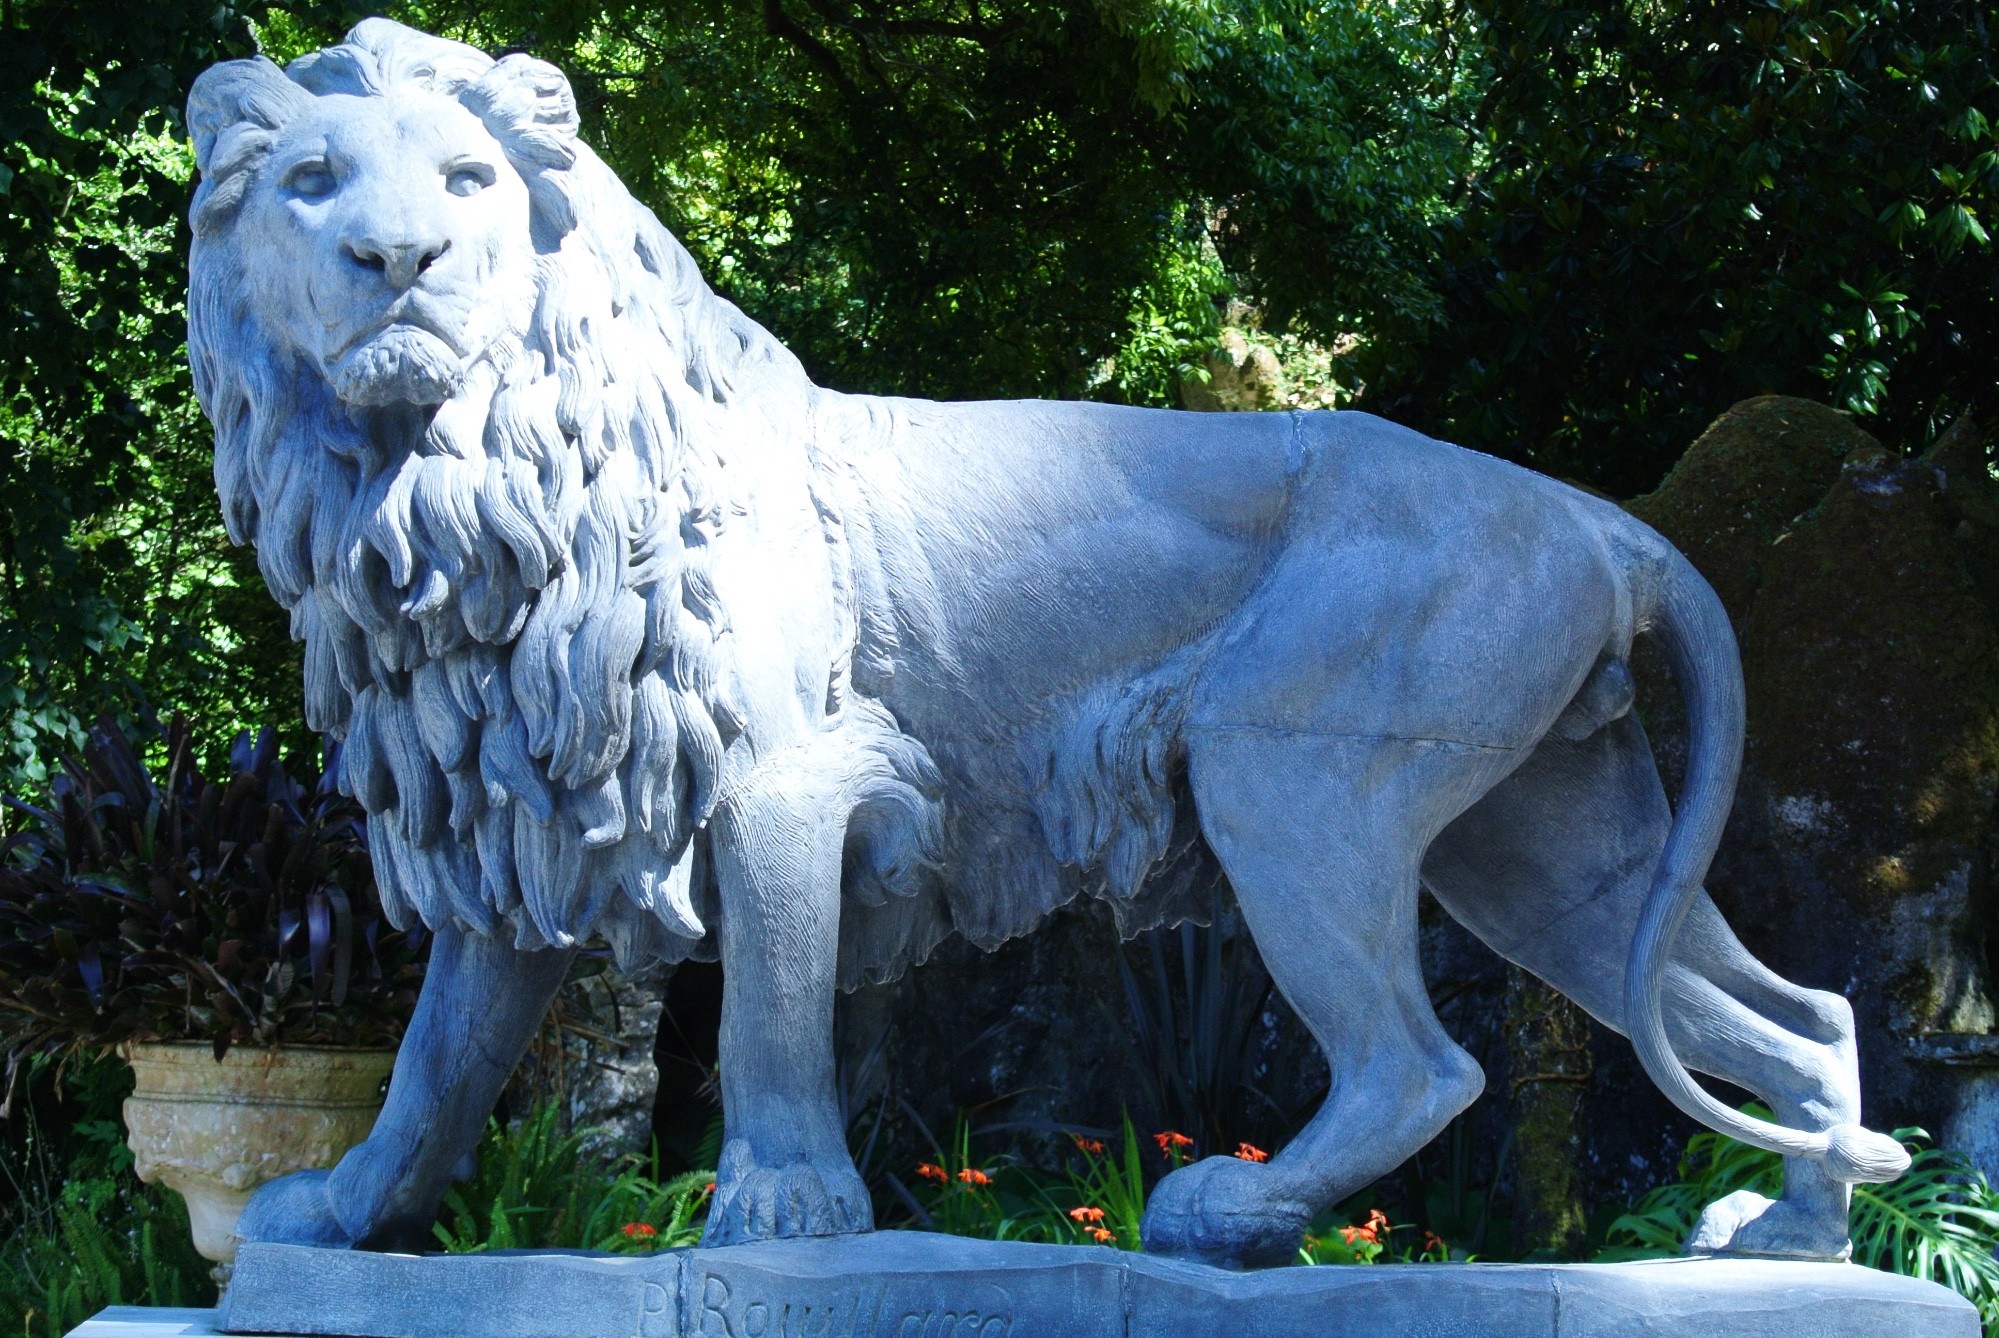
[(506, 601)]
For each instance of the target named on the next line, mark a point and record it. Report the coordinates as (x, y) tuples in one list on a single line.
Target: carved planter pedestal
[(214, 1131)]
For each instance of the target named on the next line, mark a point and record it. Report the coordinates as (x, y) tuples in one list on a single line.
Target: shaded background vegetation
[(1567, 235)]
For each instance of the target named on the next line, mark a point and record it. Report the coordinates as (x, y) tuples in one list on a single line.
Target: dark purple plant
[(168, 906)]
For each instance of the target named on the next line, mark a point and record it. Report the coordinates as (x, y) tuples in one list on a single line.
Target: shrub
[(238, 910)]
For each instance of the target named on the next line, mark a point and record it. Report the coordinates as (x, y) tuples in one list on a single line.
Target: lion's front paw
[(1747, 1223), (294, 1210), (1226, 1212), (755, 1202)]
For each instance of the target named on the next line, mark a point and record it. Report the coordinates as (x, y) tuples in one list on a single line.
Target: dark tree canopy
[(1682, 205), (116, 585)]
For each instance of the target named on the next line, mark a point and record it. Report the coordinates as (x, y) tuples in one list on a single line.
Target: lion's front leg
[(785, 1168), (482, 1000)]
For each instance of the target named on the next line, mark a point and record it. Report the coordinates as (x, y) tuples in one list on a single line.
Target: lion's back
[(1118, 534)]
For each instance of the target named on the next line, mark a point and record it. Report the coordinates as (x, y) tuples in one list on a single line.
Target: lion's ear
[(233, 93), (528, 105)]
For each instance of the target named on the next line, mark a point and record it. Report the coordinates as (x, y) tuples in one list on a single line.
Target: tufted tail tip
[(1855, 1155)]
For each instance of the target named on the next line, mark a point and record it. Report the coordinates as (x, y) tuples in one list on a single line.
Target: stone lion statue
[(634, 634)]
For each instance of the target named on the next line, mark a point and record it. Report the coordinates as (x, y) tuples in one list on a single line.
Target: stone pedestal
[(910, 1285)]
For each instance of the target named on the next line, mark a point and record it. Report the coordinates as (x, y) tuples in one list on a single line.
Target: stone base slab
[(915, 1285)]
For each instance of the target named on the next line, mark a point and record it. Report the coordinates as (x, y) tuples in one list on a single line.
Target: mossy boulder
[(1864, 586), (1873, 668), (1872, 662), (1744, 481)]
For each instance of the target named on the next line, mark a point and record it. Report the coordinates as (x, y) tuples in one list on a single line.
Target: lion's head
[(385, 189), (473, 405)]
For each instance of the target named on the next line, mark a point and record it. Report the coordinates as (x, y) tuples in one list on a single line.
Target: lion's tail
[(1693, 629)]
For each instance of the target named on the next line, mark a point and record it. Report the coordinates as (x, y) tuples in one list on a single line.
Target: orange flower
[(1087, 1214), (637, 1229), (1101, 1236), (1245, 1152), (1432, 1241), (972, 1175), (1372, 1231), (1170, 1140), (931, 1171), (1092, 1146), (708, 1188)]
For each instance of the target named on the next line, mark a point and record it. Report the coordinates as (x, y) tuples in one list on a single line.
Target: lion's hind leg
[(1551, 869), (1321, 837)]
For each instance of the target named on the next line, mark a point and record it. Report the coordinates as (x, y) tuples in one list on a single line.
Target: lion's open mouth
[(402, 364)]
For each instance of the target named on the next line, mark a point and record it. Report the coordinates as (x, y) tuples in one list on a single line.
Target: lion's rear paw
[(754, 1203), (1222, 1211), (1746, 1223)]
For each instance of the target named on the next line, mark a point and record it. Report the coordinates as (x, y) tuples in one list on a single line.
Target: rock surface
[(595, 1056)]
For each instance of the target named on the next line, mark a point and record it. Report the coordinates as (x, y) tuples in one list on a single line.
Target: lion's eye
[(311, 180), (468, 178)]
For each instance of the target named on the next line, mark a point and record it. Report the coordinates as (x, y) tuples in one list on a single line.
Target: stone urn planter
[(214, 1131)]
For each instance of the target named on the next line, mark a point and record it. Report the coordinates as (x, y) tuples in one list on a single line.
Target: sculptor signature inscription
[(862, 1313)]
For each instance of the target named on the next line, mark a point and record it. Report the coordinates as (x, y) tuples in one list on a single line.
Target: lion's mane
[(507, 606)]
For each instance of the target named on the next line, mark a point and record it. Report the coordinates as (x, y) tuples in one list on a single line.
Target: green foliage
[(100, 1242), (1113, 1180), (536, 1188), (1681, 205), (1940, 1221), (1097, 1199), (1329, 140), (916, 198), (78, 1232), (115, 585), (1173, 319), (1712, 1167), (239, 910), (925, 199)]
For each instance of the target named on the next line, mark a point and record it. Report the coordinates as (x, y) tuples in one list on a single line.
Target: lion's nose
[(398, 261)]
